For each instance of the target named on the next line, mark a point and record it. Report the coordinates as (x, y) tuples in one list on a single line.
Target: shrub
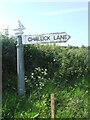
[(8, 57), (62, 63)]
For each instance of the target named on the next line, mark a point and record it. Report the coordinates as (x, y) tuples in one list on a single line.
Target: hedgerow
[(65, 62), (48, 69), (62, 63)]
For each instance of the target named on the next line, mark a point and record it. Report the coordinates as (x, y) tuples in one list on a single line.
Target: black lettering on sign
[(58, 37), (65, 36), (46, 38), (35, 38), (61, 37), (55, 38), (30, 39), (40, 38)]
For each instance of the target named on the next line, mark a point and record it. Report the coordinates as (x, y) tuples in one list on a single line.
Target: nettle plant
[(37, 79)]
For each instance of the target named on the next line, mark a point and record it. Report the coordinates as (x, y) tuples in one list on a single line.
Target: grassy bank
[(71, 101)]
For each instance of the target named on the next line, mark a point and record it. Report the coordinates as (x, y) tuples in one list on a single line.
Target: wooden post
[(52, 106)]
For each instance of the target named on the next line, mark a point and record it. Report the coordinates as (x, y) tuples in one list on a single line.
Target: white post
[(20, 59)]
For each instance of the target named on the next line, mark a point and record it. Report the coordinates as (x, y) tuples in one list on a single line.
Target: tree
[(83, 46)]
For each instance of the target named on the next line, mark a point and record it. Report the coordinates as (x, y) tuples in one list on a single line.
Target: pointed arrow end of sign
[(68, 38)]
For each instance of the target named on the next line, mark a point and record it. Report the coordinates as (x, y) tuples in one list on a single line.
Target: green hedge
[(63, 61), (8, 57), (44, 63), (60, 62)]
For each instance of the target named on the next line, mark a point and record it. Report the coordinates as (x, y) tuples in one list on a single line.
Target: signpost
[(46, 38), (59, 37), (20, 59)]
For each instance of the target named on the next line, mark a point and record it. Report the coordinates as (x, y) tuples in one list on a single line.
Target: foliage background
[(48, 68)]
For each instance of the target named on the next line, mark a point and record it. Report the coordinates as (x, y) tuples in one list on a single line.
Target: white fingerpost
[(20, 58)]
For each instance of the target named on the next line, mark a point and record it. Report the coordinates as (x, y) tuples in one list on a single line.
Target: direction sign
[(46, 38)]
